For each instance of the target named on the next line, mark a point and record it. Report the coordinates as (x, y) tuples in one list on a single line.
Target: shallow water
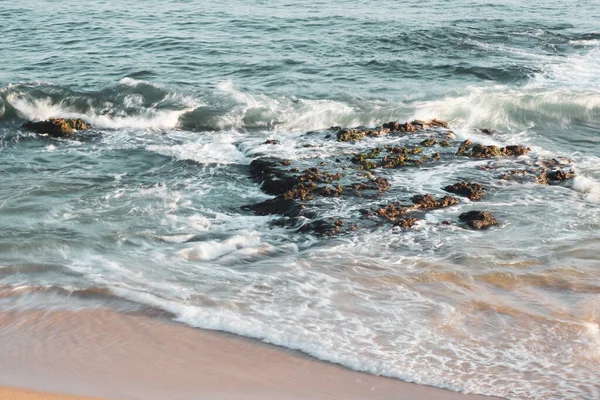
[(145, 208)]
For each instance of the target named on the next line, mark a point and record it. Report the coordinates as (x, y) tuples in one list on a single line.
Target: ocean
[(144, 211)]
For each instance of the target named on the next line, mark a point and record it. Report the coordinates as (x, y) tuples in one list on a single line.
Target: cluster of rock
[(302, 193), (297, 192)]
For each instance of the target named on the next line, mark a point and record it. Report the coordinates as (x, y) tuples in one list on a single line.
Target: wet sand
[(105, 354)]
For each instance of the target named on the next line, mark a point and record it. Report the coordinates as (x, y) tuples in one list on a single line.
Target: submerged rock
[(276, 206), (478, 219), (57, 127), (473, 191)]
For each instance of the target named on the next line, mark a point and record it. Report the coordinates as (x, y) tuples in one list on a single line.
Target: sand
[(19, 394), (105, 354)]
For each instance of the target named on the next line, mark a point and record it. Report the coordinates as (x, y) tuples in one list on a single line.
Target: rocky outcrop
[(328, 192), (57, 127), (478, 219), (473, 191)]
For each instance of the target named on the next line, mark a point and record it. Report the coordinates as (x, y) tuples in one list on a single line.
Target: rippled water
[(145, 208)]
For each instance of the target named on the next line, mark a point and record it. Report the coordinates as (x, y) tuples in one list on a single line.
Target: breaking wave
[(562, 93)]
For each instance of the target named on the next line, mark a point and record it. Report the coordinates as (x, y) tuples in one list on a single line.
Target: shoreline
[(107, 355)]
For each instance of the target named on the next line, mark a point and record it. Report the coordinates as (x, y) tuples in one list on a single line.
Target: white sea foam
[(217, 148), (111, 117), (589, 187), (211, 250)]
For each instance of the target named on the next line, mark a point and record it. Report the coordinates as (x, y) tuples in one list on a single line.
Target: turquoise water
[(144, 209)]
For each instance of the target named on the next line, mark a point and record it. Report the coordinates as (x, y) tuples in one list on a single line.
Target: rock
[(392, 211), (349, 135), (478, 219), (464, 147), (271, 141), (474, 191), (444, 143), (278, 206), (379, 185), (488, 131), (559, 175), (57, 127), (263, 168), (397, 127), (447, 222), (277, 186), (438, 123), (330, 191), (406, 223), (428, 142), (406, 127), (392, 126), (428, 202), (481, 151), (515, 150), (322, 227), (315, 175), (477, 150), (302, 191), (359, 158)]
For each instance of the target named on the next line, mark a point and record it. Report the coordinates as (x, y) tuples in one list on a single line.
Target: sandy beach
[(19, 394), (108, 355)]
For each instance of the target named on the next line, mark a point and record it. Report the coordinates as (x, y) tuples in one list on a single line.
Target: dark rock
[(481, 151), (428, 142), (271, 141), (315, 175), (559, 175), (277, 186), (515, 150), (302, 191), (444, 143), (478, 219), (474, 191), (406, 223), (329, 191), (322, 227), (392, 126), (447, 222), (359, 158), (488, 131), (438, 123), (278, 206), (57, 127)]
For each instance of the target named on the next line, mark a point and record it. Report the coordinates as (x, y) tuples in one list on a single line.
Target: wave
[(131, 105), (561, 93)]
